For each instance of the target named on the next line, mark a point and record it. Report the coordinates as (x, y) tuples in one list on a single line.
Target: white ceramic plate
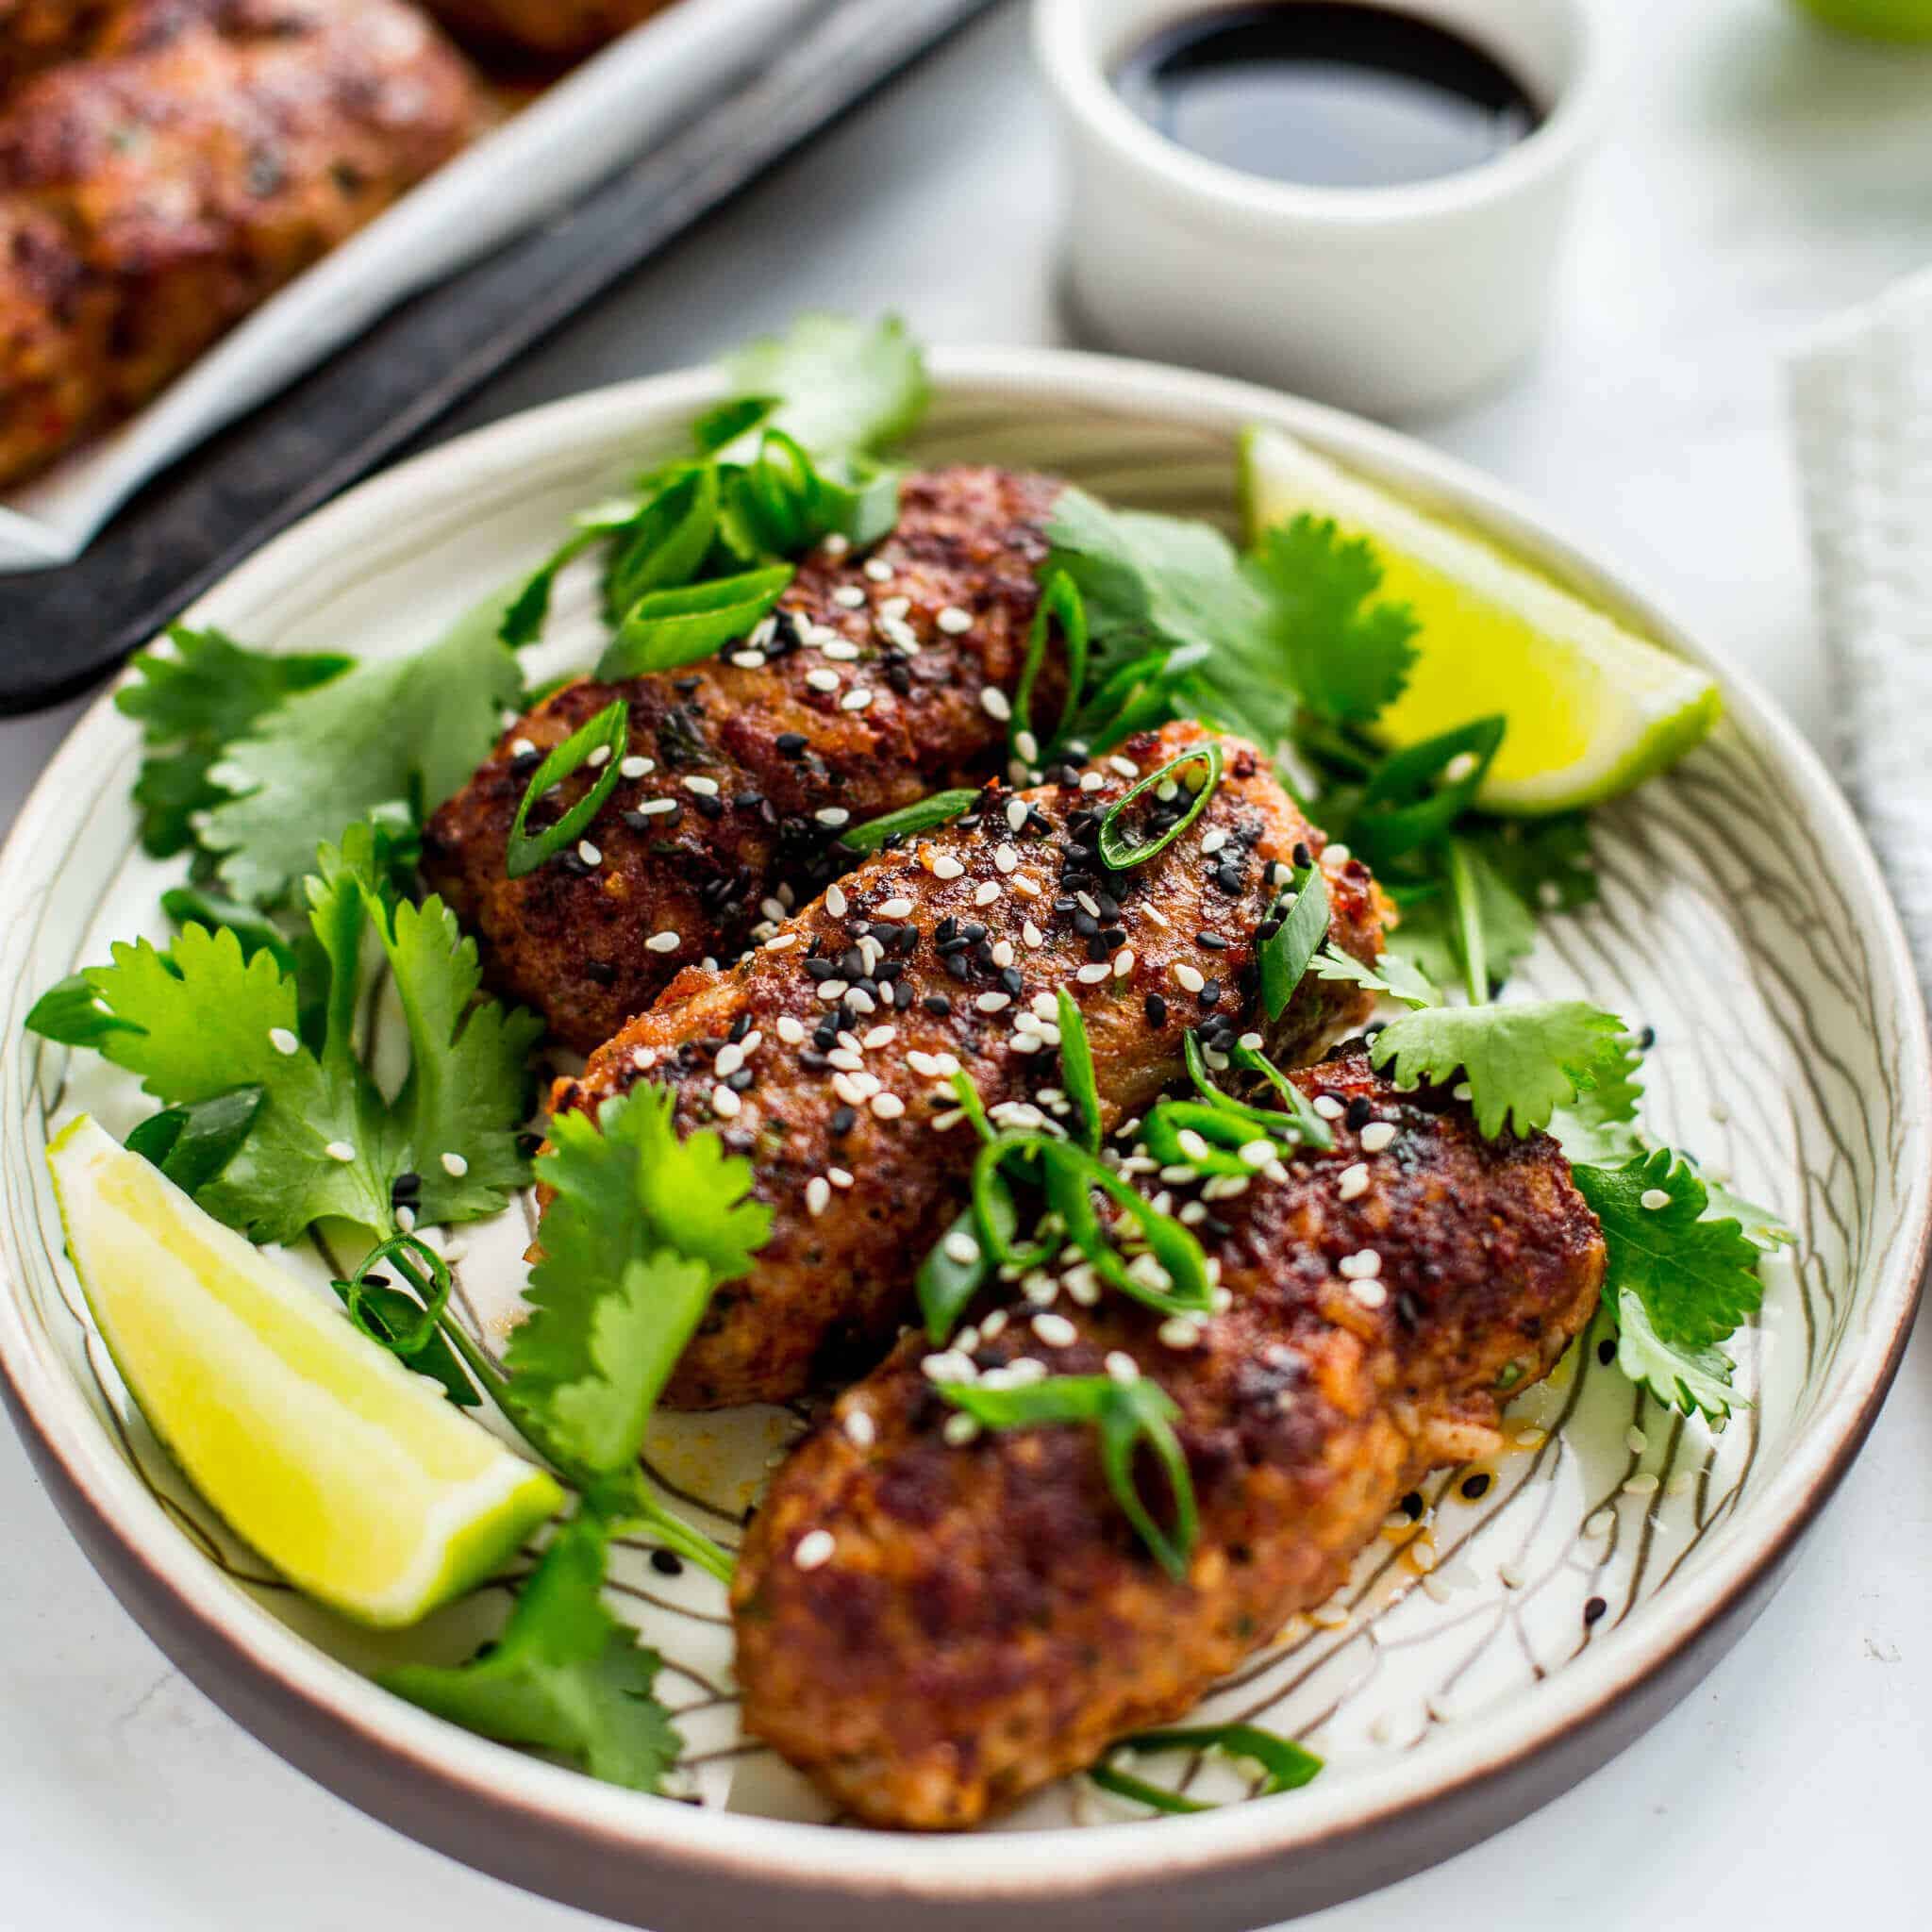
[(1743, 918)]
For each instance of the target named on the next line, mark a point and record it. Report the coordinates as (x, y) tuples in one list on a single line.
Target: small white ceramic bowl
[(1393, 301)]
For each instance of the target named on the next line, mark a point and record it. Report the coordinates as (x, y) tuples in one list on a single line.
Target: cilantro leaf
[(844, 388), (1392, 976), (1547, 862), (1521, 1062), (204, 1019), (1763, 1227), (1677, 1282), (642, 1228), (189, 701), (391, 731), (1599, 1128), (565, 1675), (1347, 658)]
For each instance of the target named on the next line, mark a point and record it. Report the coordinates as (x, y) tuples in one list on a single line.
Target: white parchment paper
[(619, 105)]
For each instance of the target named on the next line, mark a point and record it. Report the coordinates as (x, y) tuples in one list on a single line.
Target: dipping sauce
[(1326, 93)]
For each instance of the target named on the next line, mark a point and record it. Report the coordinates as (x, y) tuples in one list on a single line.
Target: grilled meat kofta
[(197, 156), (551, 30), (931, 1628), (826, 1056), (883, 679)]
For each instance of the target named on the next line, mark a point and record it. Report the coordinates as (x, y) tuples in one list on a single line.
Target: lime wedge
[(1593, 709), (353, 1476)]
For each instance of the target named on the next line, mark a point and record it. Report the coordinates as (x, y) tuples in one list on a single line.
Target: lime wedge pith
[(355, 1477), (1593, 709)]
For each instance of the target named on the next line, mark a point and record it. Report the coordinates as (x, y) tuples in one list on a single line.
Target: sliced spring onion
[(1296, 1121), (1072, 1176), (1409, 801), (1126, 1415), (609, 729), (667, 544), (1077, 1070), (909, 819), (192, 1143), (1287, 1764), (1116, 853), (71, 1014), (1286, 953), (1061, 603), (666, 629), (427, 1273), (946, 1283), (726, 422)]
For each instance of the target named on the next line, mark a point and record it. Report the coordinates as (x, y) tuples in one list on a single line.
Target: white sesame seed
[(849, 598), (993, 701), (1124, 962), (1055, 1330), (790, 1031), (1006, 859), (521, 747), (1190, 977), (283, 1041), (663, 942), (839, 650), (1654, 1198), (1377, 1135), (1336, 855), (861, 1430), (836, 544), (1121, 1366), (1032, 934), (1636, 1441), (1461, 767), (814, 1549), (1126, 767), (959, 1430), (1093, 975), (961, 1248), (994, 1002), (600, 755), (589, 853), (1509, 1575), (730, 1058), (1027, 746), (1002, 953), (1090, 781), (856, 699), (839, 1176), (1642, 1484), (1601, 1524), (818, 1194), (1259, 1153), (1179, 1331), (946, 867), (724, 1103), (1191, 1144), (748, 661), (1252, 1043), (894, 908), (1167, 791), (1530, 1437), (1371, 1295), (819, 678), (339, 1150), (879, 1036), (1328, 1106), (454, 1166), (954, 622), (987, 893), (887, 1107), (644, 1058), (878, 570), (636, 768), (405, 1218), (835, 902), (1353, 1182), (653, 807), (832, 816), (832, 990), (1462, 1090), (948, 1365), (705, 787), (1364, 1265), (1213, 841)]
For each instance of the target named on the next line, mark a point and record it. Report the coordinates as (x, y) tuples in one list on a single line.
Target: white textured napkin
[(1861, 397)]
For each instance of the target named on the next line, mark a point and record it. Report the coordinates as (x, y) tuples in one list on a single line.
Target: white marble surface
[(1761, 177)]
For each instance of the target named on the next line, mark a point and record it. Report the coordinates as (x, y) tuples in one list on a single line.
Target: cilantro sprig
[(202, 1019)]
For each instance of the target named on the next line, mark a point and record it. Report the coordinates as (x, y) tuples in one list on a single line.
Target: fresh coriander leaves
[(191, 697), (1391, 976), (200, 1021), (1521, 1062), (845, 387), (389, 731), (1678, 1281), (565, 1675), (1346, 657)]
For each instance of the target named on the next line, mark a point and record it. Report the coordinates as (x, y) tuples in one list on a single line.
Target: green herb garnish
[(909, 819), (1076, 1068), (1061, 607), (1301, 928), (666, 629), (609, 731), (1126, 1415), (1117, 853), (1287, 1765)]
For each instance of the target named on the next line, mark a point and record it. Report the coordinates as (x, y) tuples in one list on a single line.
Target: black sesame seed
[(1010, 979), (1303, 858), (1210, 994), (902, 995), (740, 1081), (791, 743), (1607, 1351), (405, 1187), (813, 1058), (824, 1036), (1593, 1609), (958, 965), (525, 763), (1157, 1010), (1360, 1112), (712, 807), (1477, 1485), (747, 801), (1212, 940), (739, 1027), (1646, 1040), (1231, 880), (1412, 1505), (821, 969), (844, 1120), (667, 1563), (528, 1143), (938, 1004)]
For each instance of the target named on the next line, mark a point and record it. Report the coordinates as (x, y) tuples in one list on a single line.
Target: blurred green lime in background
[(1884, 20)]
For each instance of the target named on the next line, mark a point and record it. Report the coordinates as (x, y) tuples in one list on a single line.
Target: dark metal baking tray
[(61, 630)]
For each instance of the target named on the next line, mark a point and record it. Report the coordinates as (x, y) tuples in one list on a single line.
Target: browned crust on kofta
[(987, 1620), (858, 1196), (187, 160), (775, 750), (548, 30)]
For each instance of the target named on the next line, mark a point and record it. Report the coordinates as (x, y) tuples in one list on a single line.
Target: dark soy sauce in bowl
[(1326, 93)]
